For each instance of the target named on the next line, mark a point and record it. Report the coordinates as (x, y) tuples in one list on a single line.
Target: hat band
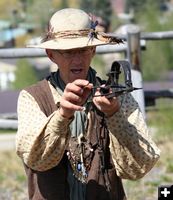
[(90, 33), (66, 34)]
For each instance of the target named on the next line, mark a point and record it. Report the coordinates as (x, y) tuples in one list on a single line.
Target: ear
[(49, 53)]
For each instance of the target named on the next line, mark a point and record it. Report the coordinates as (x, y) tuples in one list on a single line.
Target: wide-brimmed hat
[(71, 28)]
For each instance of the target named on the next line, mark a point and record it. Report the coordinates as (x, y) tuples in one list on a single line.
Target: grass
[(160, 119), (12, 177), (13, 180), (9, 131), (147, 187)]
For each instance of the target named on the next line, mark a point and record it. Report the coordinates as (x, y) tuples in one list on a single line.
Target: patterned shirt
[(41, 141)]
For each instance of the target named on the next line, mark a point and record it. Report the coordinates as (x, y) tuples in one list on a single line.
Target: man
[(75, 146)]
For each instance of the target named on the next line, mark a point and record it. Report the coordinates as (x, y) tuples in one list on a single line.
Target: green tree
[(104, 10), (64, 4), (157, 59), (86, 5), (39, 12), (99, 8), (135, 5), (25, 75)]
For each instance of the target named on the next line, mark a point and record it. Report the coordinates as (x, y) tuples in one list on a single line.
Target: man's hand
[(108, 106), (74, 96)]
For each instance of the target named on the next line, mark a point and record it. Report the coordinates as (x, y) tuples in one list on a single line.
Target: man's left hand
[(109, 106)]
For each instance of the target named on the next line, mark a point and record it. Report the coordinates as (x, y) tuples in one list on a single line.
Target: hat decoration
[(73, 28)]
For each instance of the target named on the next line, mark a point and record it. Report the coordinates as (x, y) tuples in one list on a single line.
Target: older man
[(75, 146)]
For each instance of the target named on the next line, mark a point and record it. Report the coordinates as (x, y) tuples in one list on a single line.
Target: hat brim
[(69, 43)]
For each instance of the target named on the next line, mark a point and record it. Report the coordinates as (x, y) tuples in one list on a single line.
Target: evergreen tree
[(157, 59), (135, 5), (102, 9), (87, 5), (40, 12), (64, 4)]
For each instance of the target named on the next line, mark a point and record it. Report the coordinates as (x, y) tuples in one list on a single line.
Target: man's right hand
[(74, 96)]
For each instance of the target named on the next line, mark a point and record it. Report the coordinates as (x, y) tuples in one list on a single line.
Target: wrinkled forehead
[(70, 19)]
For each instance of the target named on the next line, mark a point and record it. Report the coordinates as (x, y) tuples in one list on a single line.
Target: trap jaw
[(112, 88)]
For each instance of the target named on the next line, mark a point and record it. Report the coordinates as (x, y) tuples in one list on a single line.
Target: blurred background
[(22, 22)]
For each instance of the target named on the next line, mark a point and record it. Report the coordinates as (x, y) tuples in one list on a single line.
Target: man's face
[(72, 64)]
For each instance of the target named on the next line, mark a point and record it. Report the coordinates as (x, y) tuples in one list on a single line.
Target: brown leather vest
[(52, 184)]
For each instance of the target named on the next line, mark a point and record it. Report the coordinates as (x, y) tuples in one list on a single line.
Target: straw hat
[(72, 28)]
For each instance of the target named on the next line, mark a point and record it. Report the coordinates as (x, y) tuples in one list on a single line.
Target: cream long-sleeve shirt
[(41, 141)]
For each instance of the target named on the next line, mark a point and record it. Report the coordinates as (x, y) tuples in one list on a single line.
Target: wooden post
[(134, 48), (134, 57)]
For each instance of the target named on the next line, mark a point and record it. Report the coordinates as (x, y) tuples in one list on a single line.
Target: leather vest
[(102, 184)]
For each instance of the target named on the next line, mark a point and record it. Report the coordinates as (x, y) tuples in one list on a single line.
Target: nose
[(76, 54), (77, 58)]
